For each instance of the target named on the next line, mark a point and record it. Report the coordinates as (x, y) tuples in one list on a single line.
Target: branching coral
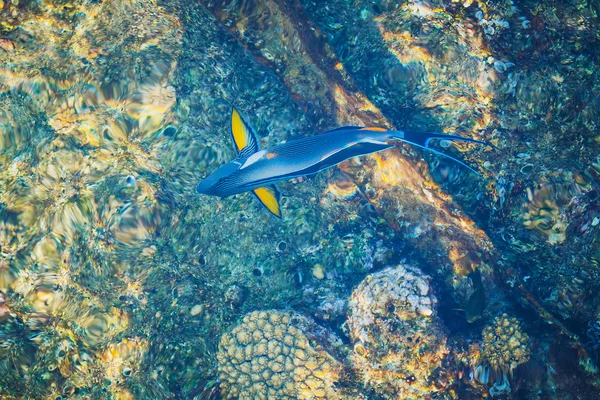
[(505, 344), (505, 347)]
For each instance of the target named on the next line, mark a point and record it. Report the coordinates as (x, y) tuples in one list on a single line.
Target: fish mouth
[(202, 189)]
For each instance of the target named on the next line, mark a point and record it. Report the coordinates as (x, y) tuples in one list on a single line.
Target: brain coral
[(399, 341), (277, 355)]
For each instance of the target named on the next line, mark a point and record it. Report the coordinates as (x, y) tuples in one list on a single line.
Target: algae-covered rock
[(399, 340)]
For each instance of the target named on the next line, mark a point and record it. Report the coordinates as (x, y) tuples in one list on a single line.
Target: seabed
[(398, 275)]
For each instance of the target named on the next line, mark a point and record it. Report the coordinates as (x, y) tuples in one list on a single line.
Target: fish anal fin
[(269, 197), (243, 136)]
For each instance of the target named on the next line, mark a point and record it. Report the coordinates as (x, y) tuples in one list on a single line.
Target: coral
[(121, 359), (505, 344), (493, 20), (399, 340), (153, 99), (270, 355), (17, 350), (545, 210)]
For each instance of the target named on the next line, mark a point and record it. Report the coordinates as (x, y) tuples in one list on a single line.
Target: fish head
[(220, 182)]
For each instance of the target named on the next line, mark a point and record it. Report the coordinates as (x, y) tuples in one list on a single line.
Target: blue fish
[(257, 170)]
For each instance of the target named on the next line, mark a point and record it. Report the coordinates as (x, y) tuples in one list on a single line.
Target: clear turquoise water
[(118, 280)]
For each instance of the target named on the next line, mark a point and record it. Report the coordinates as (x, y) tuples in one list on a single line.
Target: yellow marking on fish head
[(271, 155)]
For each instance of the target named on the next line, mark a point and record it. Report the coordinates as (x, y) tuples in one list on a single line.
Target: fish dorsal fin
[(269, 197), (243, 136), (344, 128)]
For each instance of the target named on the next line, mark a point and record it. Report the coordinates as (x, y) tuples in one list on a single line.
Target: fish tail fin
[(423, 140)]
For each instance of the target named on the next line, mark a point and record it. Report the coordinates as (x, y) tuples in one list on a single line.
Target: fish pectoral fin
[(243, 136), (269, 197)]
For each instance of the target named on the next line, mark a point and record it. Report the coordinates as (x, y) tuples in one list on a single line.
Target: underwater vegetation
[(394, 275)]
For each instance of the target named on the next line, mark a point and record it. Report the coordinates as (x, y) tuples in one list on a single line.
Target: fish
[(476, 303), (255, 170)]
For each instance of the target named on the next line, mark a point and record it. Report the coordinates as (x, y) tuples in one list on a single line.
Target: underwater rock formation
[(274, 354), (399, 341)]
